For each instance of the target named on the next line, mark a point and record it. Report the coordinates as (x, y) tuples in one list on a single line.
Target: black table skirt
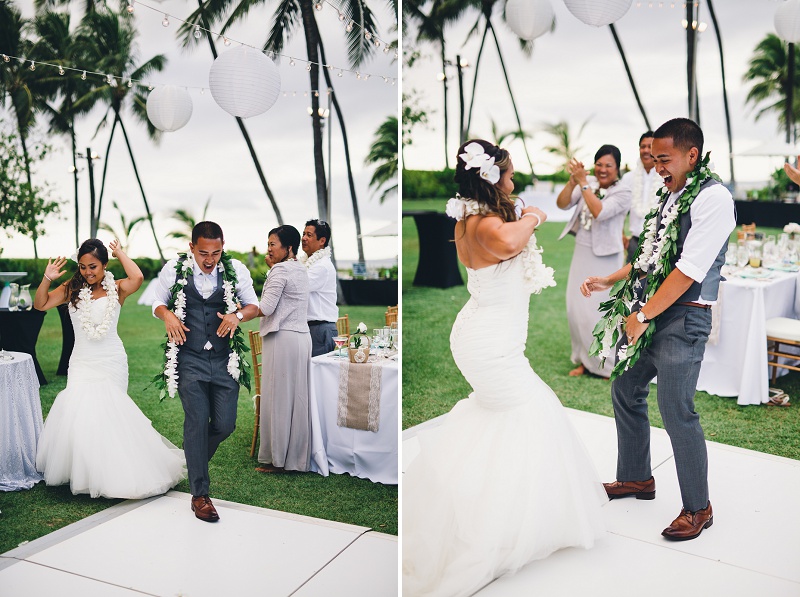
[(370, 292), (767, 213), (19, 331), (438, 260)]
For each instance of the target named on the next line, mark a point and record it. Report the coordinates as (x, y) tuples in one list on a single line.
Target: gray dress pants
[(674, 356)]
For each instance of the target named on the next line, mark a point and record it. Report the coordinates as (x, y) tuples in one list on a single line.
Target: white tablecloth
[(334, 449), (737, 364), (20, 422)]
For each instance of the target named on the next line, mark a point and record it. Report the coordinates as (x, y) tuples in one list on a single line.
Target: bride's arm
[(506, 239), (45, 298), (133, 282)]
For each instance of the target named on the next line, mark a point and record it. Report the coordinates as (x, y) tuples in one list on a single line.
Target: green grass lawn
[(27, 515), (432, 383)]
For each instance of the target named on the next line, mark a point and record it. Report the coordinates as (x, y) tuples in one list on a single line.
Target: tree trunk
[(27, 157), (312, 45), (75, 179), (444, 82), (475, 80), (350, 180), (790, 93), (630, 75), (96, 216), (691, 55), (511, 95), (141, 188), (245, 134)]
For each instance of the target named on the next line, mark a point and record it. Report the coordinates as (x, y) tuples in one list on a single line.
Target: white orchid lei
[(476, 157), (84, 311), (317, 255), (537, 275), (586, 216), (653, 259), (238, 366)]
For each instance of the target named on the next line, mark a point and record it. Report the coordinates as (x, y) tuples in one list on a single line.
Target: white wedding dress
[(504, 480), (95, 437)]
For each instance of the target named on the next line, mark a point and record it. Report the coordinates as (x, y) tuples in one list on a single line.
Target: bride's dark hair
[(472, 186), (94, 247)]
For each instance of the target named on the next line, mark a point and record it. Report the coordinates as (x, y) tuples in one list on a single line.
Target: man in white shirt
[(322, 309), (208, 391), (643, 181), (680, 311)]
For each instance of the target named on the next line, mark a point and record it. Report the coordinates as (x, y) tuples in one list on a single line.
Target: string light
[(342, 17), (318, 6), (130, 7), (165, 22), (33, 65), (367, 35), (308, 67), (6, 58), (197, 33), (83, 76), (340, 73), (226, 41), (349, 27), (291, 62), (61, 70)]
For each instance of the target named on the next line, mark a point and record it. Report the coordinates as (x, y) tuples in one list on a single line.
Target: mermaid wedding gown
[(95, 437), (504, 480)]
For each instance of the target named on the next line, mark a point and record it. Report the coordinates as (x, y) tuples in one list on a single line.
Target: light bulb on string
[(340, 73), (83, 76), (342, 17), (197, 33), (377, 43), (358, 75), (366, 77), (226, 41), (329, 66), (130, 7), (149, 88), (61, 70), (130, 83), (367, 35), (316, 94), (165, 22), (349, 27), (33, 65), (386, 49), (318, 6), (6, 58), (308, 67)]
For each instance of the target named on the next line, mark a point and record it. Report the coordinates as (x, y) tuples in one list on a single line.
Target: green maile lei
[(653, 259), (238, 365)]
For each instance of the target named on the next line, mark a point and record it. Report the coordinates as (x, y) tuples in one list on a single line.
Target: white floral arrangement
[(459, 208), (537, 275), (792, 228), (83, 308), (360, 335), (318, 255), (476, 157)]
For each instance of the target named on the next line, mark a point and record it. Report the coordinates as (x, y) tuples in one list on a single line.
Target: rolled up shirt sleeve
[(244, 285), (713, 220), (165, 281)]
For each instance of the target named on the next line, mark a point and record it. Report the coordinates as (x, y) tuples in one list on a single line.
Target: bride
[(504, 480), (95, 437)]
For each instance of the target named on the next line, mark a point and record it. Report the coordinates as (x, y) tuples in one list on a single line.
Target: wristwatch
[(641, 317), (585, 187), (239, 316)]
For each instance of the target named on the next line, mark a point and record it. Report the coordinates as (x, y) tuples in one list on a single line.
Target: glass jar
[(13, 298), (25, 303)]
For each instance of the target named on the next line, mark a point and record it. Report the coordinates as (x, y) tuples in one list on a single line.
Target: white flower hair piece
[(474, 156), (74, 256), (489, 171)]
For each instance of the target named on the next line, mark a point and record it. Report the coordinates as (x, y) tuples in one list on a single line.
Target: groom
[(209, 393), (680, 310)]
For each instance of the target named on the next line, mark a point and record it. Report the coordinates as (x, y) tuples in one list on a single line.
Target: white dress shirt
[(322, 291), (635, 221), (205, 284), (713, 220)]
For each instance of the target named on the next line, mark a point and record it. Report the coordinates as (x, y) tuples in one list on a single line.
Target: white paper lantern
[(529, 19), (169, 107), (244, 82), (598, 12), (787, 21)]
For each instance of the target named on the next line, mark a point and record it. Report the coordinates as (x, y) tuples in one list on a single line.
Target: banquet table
[(365, 454), (20, 422), (19, 330), (735, 363)]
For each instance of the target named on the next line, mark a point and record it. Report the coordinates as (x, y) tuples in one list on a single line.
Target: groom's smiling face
[(207, 253)]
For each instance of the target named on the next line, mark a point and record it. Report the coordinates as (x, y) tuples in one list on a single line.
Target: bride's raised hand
[(53, 271), (115, 248)]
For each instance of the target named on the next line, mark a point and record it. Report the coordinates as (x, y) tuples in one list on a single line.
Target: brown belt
[(700, 305)]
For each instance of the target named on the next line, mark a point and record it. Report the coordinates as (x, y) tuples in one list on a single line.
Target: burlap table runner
[(359, 395)]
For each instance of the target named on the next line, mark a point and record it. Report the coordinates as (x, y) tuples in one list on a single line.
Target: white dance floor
[(157, 547), (753, 547)]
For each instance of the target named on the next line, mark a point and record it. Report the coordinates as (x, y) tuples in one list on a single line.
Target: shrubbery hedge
[(428, 184)]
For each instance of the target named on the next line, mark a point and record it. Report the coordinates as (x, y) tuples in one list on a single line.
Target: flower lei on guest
[(83, 308), (238, 366), (317, 255), (653, 259), (586, 216)]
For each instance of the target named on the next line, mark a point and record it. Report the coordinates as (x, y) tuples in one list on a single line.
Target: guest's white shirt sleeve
[(713, 220), (244, 284), (165, 281)]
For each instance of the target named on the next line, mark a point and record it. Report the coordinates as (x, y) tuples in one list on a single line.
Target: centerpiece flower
[(359, 344)]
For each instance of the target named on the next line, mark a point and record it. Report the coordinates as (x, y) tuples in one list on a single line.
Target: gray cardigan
[(606, 230), (284, 300)]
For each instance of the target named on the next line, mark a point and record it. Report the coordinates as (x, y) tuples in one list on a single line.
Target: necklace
[(653, 260), (586, 216), (84, 308), (238, 367), (318, 255)]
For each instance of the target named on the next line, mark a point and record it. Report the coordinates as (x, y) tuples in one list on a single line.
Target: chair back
[(255, 352), (747, 232), (391, 316), (343, 326)]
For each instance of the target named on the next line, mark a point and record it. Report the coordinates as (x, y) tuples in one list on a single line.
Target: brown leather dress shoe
[(204, 509), (689, 525), (642, 490)]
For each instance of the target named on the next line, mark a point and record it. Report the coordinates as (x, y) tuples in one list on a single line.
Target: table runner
[(359, 395)]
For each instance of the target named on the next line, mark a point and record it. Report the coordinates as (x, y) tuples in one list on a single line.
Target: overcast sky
[(208, 157), (576, 73)]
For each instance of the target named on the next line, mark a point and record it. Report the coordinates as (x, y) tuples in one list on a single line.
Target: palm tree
[(383, 152), (769, 75), (188, 221), (565, 145), (127, 226), (710, 5), (628, 72), (500, 137), (108, 41)]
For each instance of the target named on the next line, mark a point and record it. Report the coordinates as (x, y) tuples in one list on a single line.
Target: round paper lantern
[(244, 82), (169, 107), (598, 12), (787, 21), (529, 19)]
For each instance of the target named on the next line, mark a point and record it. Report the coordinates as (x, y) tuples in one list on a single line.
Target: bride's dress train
[(95, 437), (505, 479)]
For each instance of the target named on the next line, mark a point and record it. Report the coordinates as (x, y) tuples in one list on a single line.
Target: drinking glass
[(4, 356), (393, 332), (25, 303), (13, 299), (339, 341), (387, 340), (770, 253), (754, 253), (730, 255), (741, 255)]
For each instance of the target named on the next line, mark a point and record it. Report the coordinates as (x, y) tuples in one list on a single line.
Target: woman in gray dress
[(601, 203), (286, 358)]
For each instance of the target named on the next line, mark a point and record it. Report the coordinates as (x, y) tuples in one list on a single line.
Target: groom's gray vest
[(201, 317), (709, 287)]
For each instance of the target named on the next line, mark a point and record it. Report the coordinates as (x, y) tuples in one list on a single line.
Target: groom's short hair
[(209, 230), (684, 133)]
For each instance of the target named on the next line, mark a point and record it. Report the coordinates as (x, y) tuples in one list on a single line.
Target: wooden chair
[(747, 232), (782, 330), (255, 352), (343, 326), (391, 316)]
